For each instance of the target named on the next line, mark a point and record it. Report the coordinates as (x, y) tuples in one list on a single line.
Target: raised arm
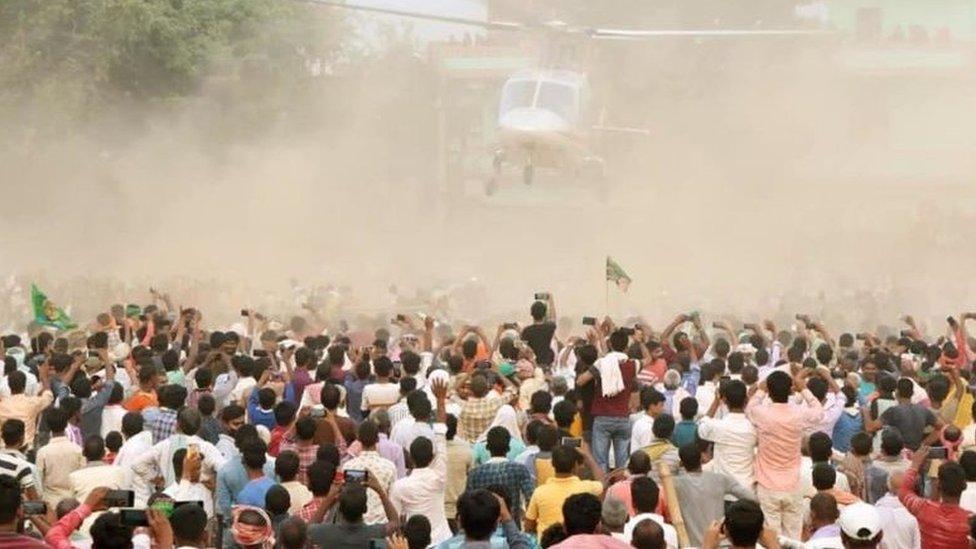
[(727, 328), (670, 328)]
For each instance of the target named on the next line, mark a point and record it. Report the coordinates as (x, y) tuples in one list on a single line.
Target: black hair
[(132, 424), (541, 402), (498, 440), (820, 446), (645, 493), (421, 452), (286, 465), (734, 392), (663, 426), (477, 512), (452, 424), (779, 384), (861, 444), (369, 434), (56, 419), (581, 514), (231, 412), (564, 459), (744, 523), (407, 385), (639, 463), (648, 534), (188, 421), (94, 448), (206, 404), (538, 311), (17, 382), (10, 499), (189, 523), (564, 413), (253, 454), (293, 533), (905, 388), (649, 396), (619, 340), (108, 532), (547, 438), (320, 474), (419, 405), (688, 408), (352, 503), (276, 500), (690, 456), (113, 441), (330, 396), (305, 428), (824, 476), (952, 479), (417, 531), (818, 387), (329, 453), (383, 366), (736, 362), (968, 463), (892, 442), (12, 433)]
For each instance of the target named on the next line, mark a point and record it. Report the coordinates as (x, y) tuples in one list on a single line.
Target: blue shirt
[(231, 479), (257, 415), (354, 396), (846, 427), (515, 449), (684, 432), (254, 492)]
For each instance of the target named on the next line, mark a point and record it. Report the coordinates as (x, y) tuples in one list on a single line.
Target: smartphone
[(589, 321), (724, 378), (401, 318), (938, 452), (133, 517), (120, 498), (34, 508), (571, 442), (510, 326), (627, 331), (259, 353), (541, 296), (358, 476), (244, 312)]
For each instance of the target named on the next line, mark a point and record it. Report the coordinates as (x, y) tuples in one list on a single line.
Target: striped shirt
[(15, 466)]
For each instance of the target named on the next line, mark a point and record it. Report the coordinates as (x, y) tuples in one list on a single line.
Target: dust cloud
[(773, 181)]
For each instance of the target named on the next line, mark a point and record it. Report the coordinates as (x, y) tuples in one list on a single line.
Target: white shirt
[(735, 446), (641, 434), (833, 406), (298, 494), (112, 419), (670, 534), (380, 394), (242, 389), (94, 475), (159, 458), (705, 395), (900, 528), (31, 388), (185, 490), (128, 454), (422, 491), (806, 479), (407, 429), (968, 498)]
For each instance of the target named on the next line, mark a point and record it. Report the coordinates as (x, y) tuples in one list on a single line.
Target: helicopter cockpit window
[(517, 94), (560, 99)]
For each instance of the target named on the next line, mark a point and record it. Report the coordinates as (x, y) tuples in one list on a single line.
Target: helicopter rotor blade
[(644, 34), (492, 25)]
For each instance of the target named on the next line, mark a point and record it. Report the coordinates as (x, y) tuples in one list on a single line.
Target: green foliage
[(64, 62)]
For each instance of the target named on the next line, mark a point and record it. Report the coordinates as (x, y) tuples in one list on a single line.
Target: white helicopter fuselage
[(540, 120)]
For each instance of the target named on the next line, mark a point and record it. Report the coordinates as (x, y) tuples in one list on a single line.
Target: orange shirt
[(139, 401)]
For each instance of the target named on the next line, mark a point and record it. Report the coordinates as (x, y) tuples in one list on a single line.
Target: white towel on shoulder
[(611, 380)]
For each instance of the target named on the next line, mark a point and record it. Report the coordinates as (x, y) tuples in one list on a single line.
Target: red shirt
[(277, 435), (617, 405), (943, 525)]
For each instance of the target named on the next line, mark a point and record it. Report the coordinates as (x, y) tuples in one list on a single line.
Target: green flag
[(617, 275), (47, 313)]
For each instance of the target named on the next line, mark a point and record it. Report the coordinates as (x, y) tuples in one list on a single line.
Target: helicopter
[(545, 115)]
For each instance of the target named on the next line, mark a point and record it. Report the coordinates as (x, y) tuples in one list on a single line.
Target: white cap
[(860, 521)]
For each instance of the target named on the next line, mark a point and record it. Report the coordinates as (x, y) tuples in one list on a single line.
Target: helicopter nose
[(531, 119)]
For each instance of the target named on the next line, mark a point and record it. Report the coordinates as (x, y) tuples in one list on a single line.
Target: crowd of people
[(150, 429)]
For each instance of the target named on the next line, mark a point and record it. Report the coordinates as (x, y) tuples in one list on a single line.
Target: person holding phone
[(942, 522), (352, 531), (538, 335)]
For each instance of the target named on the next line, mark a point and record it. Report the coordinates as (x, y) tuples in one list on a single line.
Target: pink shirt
[(779, 430)]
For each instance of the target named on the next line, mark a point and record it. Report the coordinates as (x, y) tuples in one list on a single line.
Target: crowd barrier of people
[(147, 429)]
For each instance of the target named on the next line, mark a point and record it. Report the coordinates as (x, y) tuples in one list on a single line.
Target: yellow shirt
[(543, 470), (546, 505)]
